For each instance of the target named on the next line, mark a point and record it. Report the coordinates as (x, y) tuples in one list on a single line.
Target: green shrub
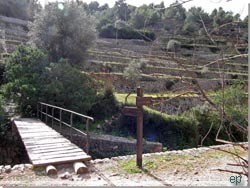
[(175, 132), (3, 127), (105, 105), (109, 31), (173, 45), (235, 107), (30, 79)]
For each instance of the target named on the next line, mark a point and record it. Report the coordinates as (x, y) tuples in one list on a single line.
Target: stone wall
[(12, 150), (102, 146), (152, 85), (178, 105)]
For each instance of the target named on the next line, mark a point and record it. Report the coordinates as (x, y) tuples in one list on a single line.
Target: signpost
[(138, 113)]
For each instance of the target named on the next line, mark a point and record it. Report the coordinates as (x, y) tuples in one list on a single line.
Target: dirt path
[(177, 168)]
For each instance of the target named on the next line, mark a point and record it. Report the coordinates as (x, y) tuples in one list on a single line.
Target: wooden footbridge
[(44, 145)]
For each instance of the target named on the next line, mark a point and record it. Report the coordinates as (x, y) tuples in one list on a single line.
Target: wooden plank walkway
[(45, 146)]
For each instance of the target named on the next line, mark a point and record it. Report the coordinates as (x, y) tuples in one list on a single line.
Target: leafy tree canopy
[(30, 78), (64, 30)]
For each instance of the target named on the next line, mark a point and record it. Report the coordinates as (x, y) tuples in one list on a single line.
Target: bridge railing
[(43, 110)]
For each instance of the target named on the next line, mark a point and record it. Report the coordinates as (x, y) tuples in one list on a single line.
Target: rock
[(106, 160), (115, 148), (65, 175), (22, 168), (99, 161), (176, 171), (7, 169), (28, 166), (16, 167), (115, 158), (1, 169)]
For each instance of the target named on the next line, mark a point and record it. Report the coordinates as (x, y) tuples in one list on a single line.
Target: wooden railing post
[(41, 112), (52, 117), (60, 123), (71, 124), (37, 110), (87, 137), (46, 117)]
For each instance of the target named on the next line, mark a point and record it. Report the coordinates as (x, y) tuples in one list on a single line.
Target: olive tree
[(64, 30)]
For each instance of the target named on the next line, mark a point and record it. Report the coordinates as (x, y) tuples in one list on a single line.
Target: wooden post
[(87, 136), (41, 112), (80, 168), (60, 123), (37, 111), (51, 170), (71, 124), (139, 130), (46, 118), (52, 116), (138, 113)]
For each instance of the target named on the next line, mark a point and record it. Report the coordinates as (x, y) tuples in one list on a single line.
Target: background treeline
[(129, 22), (173, 20), (22, 9)]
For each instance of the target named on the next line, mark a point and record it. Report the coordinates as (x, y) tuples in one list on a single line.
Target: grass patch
[(39, 171), (120, 97), (183, 162), (129, 167)]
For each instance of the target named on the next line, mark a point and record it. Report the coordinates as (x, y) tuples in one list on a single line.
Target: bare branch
[(235, 154), (241, 165), (231, 171), (225, 59)]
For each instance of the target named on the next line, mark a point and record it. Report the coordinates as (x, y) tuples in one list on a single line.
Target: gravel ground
[(176, 168)]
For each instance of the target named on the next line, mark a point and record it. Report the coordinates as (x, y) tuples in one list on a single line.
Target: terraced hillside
[(13, 32), (110, 57)]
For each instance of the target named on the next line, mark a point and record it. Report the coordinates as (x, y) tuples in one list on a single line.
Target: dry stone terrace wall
[(136, 46), (102, 146), (13, 32), (153, 85), (179, 105)]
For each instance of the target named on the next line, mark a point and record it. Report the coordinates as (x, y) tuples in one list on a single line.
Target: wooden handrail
[(40, 110), (66, 110)]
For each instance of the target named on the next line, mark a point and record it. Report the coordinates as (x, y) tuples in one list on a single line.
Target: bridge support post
[(51, 170), (80, 168)]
